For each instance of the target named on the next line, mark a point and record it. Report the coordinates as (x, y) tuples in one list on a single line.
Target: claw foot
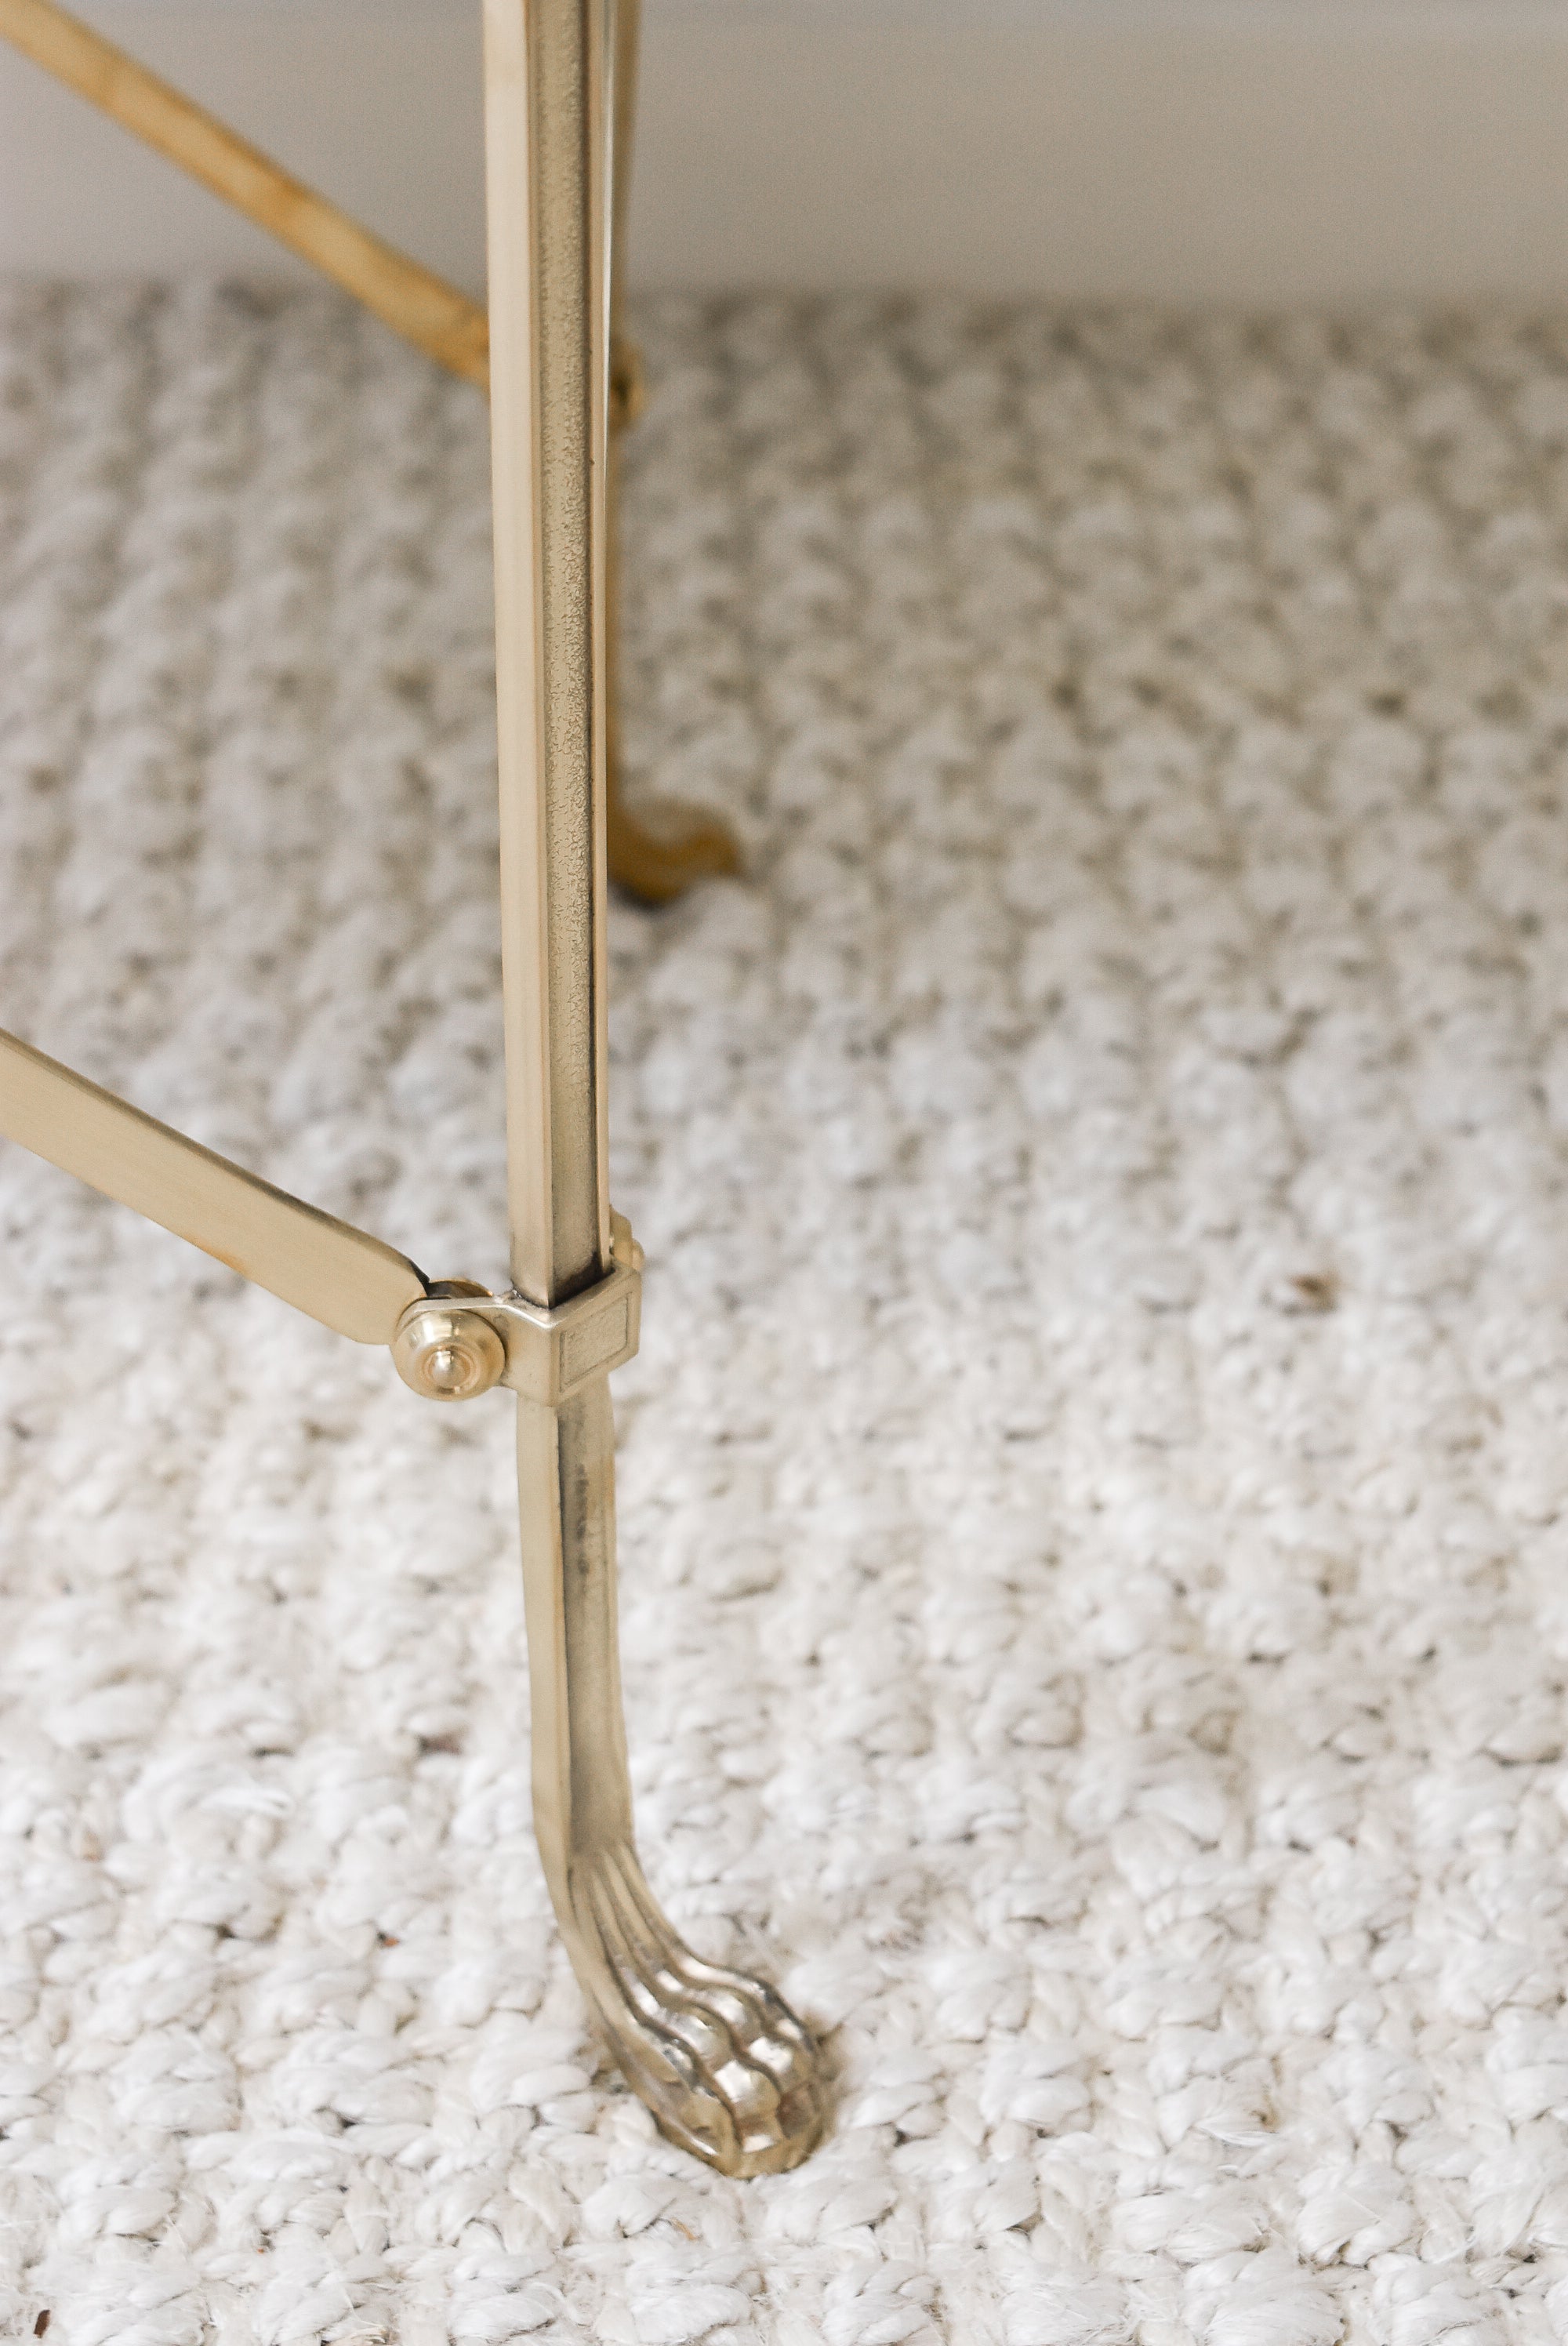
[(660, 857), (726, 2069)]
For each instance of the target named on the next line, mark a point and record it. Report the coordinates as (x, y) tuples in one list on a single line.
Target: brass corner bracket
[(461, 1340)]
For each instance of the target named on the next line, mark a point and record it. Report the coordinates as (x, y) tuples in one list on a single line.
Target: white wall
[(1250, 151), (376, 101)]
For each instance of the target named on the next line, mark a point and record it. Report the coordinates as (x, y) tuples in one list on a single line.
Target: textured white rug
[(1094, 1488)]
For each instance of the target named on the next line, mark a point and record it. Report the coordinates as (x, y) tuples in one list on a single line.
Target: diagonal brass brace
[(324, 1268), (450, 1340)]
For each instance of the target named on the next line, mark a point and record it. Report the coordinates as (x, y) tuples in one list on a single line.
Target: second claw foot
[(728, 2070), (659, 859)]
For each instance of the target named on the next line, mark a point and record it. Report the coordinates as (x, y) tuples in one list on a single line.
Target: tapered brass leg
[(725, 2067)]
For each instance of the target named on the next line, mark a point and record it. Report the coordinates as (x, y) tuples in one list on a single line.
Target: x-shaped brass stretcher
[(724, 2066)]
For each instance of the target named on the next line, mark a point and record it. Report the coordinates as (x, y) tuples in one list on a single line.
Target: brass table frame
[(725, 2067)]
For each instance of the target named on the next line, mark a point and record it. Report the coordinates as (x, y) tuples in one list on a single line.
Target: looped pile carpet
[(1093, 1489)]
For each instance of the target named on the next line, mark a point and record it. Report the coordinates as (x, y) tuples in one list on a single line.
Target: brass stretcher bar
[(347, 1280)]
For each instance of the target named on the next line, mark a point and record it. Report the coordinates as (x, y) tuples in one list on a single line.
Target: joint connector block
[(551, 1356), (459, 1340)]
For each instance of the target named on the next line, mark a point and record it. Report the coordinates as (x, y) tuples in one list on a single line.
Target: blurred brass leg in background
[(655, 854)]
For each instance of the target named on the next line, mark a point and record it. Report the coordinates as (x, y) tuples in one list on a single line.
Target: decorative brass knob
[(447, 1352)]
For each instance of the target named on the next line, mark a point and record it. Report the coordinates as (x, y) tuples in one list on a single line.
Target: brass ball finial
[(446, 1352)]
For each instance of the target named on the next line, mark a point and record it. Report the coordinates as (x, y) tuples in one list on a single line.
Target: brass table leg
[(723, 2063), (726, 2068), (655, 856)]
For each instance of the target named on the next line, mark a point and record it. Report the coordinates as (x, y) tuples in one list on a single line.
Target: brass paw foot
[(659, 859), (721, 2061), (726, 2069)]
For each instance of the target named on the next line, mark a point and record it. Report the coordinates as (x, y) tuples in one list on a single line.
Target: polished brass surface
[(726, 2069), (547, 162), (447, 1352), (451, 1349), (336, 1274), (551, 1356)]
